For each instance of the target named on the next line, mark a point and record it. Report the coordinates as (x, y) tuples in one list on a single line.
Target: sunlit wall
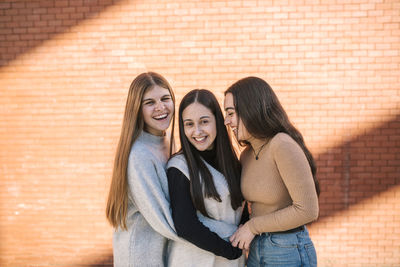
[(65, 69)]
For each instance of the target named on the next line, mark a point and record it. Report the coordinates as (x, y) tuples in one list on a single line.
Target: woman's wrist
[(250, 225)]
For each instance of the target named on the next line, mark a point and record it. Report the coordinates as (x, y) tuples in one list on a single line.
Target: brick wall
[(65, 68)]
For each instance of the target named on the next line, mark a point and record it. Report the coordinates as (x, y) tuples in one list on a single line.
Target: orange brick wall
[(65, 68)]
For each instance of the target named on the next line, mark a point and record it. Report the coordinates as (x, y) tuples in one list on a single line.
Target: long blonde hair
[(132, 126)]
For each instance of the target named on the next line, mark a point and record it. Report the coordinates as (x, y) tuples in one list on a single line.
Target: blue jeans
[(289, 249)]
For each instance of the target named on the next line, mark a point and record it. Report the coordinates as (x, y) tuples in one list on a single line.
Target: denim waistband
[(294, 230)]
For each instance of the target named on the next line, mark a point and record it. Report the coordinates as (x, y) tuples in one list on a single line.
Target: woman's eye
[(149, 103), (188, 124), (167, 98), (204, 121)]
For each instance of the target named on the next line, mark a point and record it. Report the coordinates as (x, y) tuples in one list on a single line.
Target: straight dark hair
[(263, 116), (227, 161)]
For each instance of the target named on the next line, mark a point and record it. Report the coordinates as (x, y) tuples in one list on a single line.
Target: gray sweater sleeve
[(149, 188)]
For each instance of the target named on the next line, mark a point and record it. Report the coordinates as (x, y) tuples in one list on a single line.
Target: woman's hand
[(242, 237)]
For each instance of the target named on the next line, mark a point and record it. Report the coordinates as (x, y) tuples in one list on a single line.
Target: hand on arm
[(242, 237)]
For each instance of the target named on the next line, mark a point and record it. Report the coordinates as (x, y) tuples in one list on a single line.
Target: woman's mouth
[(234, 130), (200, 139), (161, 117)]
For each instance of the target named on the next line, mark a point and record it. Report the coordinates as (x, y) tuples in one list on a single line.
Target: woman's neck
[(154, 132), (210, 156), (258, 145)]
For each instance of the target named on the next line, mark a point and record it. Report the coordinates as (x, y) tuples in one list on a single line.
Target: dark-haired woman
[(278, 178), (204, 186)]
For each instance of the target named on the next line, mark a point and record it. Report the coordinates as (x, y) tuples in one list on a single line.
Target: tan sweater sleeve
[(296, 174)]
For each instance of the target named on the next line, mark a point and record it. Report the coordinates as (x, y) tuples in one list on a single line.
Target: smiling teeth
[(199, 139), (161, 117)]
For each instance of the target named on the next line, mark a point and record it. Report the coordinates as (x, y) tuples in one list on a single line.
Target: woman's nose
[(197, 129), (159, 105), (227, 121)]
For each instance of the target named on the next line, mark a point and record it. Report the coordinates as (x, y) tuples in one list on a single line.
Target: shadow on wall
[(38, 21), (106, 261), (360, 168), (366, 165)]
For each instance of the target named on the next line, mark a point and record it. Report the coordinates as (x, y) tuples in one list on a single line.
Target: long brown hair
[(263, 115), (132, 126), (227, 161)]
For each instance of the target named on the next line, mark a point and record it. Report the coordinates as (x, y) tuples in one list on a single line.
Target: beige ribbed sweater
[(279, 185)]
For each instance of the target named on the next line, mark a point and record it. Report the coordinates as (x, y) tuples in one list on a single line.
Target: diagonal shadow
[(27, 24), (356, 170), (106, 261), (360, 168)]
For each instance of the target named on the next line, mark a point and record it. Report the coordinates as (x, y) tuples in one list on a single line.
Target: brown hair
[(132, 126), (263, 115)]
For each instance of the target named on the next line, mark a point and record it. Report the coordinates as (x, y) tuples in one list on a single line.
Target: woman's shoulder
[(281, 138), (176, 159), (143, 153), (140, 150), (284, 142)]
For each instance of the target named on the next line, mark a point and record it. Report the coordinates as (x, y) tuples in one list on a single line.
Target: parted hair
[(132, 126), (263, 116), (227, 161)]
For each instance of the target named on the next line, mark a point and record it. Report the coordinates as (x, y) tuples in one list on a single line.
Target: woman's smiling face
[(233, 121), (157, 110), (199, 126)]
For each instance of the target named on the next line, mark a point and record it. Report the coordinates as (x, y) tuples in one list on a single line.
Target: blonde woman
[(138, 202)]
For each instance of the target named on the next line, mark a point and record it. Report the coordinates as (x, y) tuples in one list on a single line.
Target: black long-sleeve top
[(187, 223)]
